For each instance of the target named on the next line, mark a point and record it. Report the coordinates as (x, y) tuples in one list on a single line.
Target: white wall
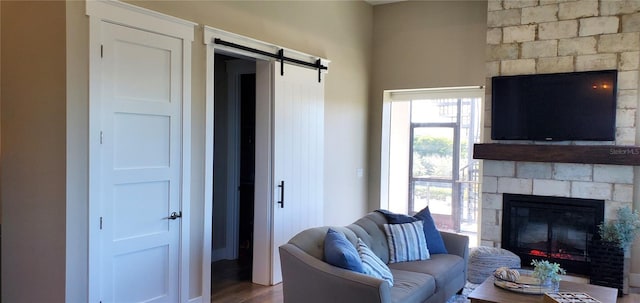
[(399, 151)]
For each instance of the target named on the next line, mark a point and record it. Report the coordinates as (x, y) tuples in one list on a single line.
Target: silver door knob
[(175, 215)]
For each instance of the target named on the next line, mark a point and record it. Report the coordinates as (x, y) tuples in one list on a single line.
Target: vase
[(550, 284)]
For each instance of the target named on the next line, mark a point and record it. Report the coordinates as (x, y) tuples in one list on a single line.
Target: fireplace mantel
[(586, 154)]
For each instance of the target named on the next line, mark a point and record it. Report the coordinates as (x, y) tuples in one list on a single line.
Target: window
[(427, 155)]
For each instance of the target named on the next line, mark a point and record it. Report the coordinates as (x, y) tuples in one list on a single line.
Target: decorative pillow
[(338, 251), (372, 265), (393, 218), (406, 242), (431, 233)]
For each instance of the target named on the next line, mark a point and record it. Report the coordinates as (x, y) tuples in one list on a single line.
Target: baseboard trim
[(634, 280), (196, 300)]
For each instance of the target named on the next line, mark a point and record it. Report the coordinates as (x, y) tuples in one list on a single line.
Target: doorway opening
[(234, 171)]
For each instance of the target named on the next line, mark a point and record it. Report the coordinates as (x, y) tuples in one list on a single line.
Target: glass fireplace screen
[(553, 228)]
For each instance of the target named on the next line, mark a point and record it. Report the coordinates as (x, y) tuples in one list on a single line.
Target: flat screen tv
[(578, 106)]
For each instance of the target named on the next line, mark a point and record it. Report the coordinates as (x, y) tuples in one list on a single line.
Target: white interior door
[(298, 171), (140, 165)]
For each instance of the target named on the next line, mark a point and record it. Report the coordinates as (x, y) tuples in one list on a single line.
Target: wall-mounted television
[(577, 106)]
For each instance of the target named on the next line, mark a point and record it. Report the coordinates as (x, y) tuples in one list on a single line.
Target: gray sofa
[(308, 279)]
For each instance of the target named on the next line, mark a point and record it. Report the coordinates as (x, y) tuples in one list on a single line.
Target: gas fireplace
[(554, 228)]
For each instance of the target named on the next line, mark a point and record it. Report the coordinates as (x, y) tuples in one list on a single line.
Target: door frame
[(263, 215), (135, 17)]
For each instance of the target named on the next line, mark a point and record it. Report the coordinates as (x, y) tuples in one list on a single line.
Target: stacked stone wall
[(554, 36)]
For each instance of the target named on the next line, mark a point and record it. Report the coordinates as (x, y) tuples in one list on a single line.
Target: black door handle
[(281, 202)]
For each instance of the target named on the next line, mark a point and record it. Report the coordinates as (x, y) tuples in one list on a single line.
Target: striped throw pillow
[(372, 265), (406, 242)]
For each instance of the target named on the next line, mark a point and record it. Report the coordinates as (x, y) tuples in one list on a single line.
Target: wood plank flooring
[(630, 298), (247, 292), (231, 284)]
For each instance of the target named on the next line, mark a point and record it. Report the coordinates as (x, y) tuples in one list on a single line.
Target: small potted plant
[(548, 273), (623, 230), (607, 252)]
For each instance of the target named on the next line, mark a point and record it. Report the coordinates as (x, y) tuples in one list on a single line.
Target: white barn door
[(298, 149)]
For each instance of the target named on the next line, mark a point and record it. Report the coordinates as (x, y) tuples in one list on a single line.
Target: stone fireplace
[(553, 228), (612, 184), (550, 36)]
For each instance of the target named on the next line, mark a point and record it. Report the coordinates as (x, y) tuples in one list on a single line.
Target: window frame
[(391, 96)]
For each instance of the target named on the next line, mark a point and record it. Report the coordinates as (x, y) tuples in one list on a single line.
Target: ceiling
[(379, 2)]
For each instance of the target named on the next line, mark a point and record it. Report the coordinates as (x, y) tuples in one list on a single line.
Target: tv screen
[(578, 106)]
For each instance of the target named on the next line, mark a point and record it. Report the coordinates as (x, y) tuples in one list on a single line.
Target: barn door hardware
[(279, 55)]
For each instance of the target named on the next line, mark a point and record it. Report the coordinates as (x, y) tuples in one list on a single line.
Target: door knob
[(175, 215)]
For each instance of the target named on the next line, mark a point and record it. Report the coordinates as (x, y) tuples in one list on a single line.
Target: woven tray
[(526, 284)]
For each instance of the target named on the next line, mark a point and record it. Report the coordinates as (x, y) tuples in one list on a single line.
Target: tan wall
[(33, 151), (422, 44), (339, 31)]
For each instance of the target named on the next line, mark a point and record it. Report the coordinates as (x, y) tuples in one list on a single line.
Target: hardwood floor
[(248, 292), (231, 283), (630, 298)]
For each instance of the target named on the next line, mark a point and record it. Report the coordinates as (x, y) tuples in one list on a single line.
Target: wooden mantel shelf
[(587, 154)]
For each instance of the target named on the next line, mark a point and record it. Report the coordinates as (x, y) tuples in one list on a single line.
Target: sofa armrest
[(456, 244), (307, 279)]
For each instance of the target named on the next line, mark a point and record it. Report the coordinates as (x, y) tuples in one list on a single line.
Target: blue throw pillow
[(406, 242), (431, 233), (393, 218), (372, 265), (338, 251)]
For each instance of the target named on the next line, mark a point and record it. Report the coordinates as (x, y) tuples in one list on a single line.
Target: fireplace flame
[(557, 255)]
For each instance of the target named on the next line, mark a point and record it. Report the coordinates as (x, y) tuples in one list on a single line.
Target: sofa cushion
[(409, 287), (372, 265), (431, 233), (369, 229), (406, 242), (338, 251), (311, 240), (443, 268)]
